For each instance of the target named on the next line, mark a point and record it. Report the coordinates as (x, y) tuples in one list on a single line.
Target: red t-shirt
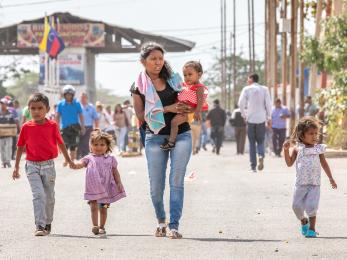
[(41, 141)]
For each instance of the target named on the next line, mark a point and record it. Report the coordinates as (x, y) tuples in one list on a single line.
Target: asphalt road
[(229, 213)]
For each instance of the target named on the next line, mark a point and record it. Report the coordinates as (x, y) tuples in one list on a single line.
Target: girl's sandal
[(95, 230), (102, 232), (173, 234), (160, 232)]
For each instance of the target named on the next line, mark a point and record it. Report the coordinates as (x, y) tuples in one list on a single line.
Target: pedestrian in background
[(70, 118), (91, 121), (129, 112), (103, 184), (121, 127), (239, 124), (279, 127), (217, 118), (310, 108), (41, 138), (255, 106), (309, 157), (9, 125)]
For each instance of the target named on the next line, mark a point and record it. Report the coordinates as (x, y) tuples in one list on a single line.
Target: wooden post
[(302, 65), (318, 26), (324, 77), (284, 56), (272, 47), (293, 59)]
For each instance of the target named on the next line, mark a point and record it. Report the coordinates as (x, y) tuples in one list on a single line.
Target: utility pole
[(266, 54), (302, 65), (284, 53), (313, 71), (223, 53), (272, 46), (293, 59), (250, 37), (253, 38), (234, 51), (324, 75)]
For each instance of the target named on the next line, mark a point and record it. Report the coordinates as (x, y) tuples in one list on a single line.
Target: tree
[(10, 71), (330, 55), (213, 76)]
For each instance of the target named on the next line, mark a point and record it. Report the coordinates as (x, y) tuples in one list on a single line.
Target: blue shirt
[(89, 114), (277, 121), (69, 112)]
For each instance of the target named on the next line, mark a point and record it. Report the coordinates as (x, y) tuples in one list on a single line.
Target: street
[(229, 213)]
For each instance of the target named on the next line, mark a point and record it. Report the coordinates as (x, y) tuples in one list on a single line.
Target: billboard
[(73, 34), (71, 69)]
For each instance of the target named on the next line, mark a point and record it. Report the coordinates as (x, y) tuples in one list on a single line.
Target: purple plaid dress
[(100, 184)]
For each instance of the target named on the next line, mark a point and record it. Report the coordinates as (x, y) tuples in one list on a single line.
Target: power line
[(33, 3)]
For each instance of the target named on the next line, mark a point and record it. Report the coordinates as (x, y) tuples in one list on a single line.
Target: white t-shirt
[(308, 168)]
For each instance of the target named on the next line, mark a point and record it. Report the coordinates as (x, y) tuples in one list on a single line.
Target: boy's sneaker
[(40, 231), (311, 234), (304, 229), (48, 228)]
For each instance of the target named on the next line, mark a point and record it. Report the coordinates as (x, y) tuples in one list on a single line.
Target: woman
[(121, 123), (157, 83)]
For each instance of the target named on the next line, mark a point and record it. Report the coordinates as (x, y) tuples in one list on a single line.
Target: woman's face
[(154, 62)]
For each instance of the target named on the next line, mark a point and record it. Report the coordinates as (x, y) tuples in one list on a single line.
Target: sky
[(194, 20)]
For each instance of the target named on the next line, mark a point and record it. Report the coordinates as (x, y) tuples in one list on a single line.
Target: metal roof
[(118, 39)]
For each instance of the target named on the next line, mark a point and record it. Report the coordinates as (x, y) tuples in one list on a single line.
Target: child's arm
[(15, 174), (78, 165), (290, 159), (117, 179), (326, 168), (200, 99), (66, 155)]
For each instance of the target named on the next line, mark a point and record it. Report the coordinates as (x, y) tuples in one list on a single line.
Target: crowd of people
[(174, 123), (77, 117)]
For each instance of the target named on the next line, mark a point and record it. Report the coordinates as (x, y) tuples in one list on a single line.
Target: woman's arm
[(290, 159), (139, 107), (327, 170)]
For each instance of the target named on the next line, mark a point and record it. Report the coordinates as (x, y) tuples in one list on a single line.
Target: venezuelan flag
[(55, 44), (43, 43), (51, 42)]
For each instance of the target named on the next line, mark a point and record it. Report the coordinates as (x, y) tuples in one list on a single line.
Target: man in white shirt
[(255, 106)]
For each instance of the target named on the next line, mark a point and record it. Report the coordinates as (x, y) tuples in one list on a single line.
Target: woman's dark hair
[(115, 109), (146, 50), (254, 77), (196, 65), (305, 123), (39, 97)]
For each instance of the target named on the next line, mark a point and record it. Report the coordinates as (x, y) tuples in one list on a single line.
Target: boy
[(41, 139)]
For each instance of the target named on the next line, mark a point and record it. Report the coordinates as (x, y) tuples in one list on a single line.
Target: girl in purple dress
[(103, 182)]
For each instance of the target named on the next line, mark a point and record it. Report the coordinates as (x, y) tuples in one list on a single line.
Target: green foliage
[(23, 86), (330, 55), (213, 74)]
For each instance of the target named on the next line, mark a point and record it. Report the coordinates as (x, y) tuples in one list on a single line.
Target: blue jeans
[(157, 162), (256, 137)]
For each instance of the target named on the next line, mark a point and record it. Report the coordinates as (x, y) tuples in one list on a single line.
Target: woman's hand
[(178, 108)]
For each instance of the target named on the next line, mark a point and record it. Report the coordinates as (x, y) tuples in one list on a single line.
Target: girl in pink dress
[(193, 94), (103, 182)]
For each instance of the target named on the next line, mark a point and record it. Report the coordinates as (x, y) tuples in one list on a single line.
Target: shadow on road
[(97, 237), (332, 237), (231, 240)]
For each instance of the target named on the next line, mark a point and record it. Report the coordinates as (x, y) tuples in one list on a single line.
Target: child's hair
[(38, 97), (196, 65), (305, 123), (97, 135)]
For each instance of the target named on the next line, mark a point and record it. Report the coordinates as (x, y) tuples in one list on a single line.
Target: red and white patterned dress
[(188, 95)]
